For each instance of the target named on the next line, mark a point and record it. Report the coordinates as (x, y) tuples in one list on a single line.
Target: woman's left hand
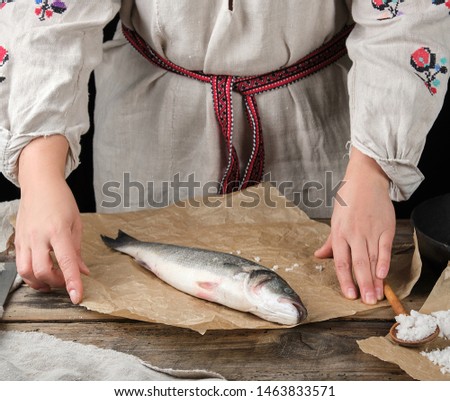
[(362, 230)]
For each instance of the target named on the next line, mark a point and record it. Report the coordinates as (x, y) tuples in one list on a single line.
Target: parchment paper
[(258, 222), (409, 359)]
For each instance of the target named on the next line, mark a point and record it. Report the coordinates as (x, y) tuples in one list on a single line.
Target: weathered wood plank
[(26, 304), (321, 351)]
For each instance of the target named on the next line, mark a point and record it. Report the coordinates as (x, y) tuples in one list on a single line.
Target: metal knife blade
[(8, 272)]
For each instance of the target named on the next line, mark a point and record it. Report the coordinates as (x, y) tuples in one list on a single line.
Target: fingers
[(364, 261), (343, 265), (367, 261), (383, 262), (77, 236), (384, 254), (37, 268), (44, 269), (358, 259), (377, 282), (68, 261), (25, 269), (326, 250)]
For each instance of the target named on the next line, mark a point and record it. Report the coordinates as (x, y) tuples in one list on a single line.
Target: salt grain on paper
[(415, 327), (439, 357), (319, 268), (275, 267), (257, 259), (292, 267)]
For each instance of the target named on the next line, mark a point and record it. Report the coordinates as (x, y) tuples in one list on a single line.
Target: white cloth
[(8, 210), (26, 356), (151, 125)]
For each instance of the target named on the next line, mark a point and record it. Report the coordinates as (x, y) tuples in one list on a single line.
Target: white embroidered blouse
[(153, 126)]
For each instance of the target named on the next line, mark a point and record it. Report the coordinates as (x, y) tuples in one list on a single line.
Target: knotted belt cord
[(248, 86)]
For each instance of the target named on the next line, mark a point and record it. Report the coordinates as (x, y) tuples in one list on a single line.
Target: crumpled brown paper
[(258, 222), (409, 359)]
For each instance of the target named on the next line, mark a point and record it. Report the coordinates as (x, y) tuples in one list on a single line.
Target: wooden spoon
[(400, 310)]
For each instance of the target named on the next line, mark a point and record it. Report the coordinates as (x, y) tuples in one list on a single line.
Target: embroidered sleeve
[(400, 51), (47, 51)]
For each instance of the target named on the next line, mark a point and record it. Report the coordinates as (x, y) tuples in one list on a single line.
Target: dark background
[(434, 163)]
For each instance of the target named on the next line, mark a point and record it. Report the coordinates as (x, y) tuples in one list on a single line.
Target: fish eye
[(288, 290)]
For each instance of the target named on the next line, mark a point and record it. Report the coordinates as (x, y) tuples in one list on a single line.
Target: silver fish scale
[(202, 258)]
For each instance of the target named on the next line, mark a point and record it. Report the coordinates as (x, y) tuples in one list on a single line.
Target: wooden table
[(318, 351)]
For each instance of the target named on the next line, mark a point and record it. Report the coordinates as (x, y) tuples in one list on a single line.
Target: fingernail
[(370, 298), (73, 296), (382, 272), (380, 293), (351, 293)]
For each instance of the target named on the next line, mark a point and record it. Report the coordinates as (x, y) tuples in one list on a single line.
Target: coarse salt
[(257, 259), (319, 267), (443, 321), (439, 357), (291, 267), (275, 267), (415, 327), (238, 252)]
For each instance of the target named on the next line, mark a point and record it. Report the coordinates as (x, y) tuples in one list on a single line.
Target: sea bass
[(218, 277)]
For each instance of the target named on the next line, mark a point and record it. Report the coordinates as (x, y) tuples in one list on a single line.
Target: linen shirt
[(153, 127)]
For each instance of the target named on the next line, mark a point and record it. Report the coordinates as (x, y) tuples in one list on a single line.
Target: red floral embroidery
[(3, 3), (439, 2), (4, 57), (389, 8), (425, 62), (44, 10)]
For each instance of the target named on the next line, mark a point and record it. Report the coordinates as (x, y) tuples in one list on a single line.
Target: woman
[(175, 104)]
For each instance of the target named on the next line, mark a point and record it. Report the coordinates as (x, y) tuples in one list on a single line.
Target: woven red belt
[(249, 86)]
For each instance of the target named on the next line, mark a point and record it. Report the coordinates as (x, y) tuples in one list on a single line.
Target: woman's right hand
[(48, 220)]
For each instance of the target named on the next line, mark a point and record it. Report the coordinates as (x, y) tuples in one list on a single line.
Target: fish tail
[(122, 240)]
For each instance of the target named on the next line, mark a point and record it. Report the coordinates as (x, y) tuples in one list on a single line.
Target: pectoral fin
[(207, 285)]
